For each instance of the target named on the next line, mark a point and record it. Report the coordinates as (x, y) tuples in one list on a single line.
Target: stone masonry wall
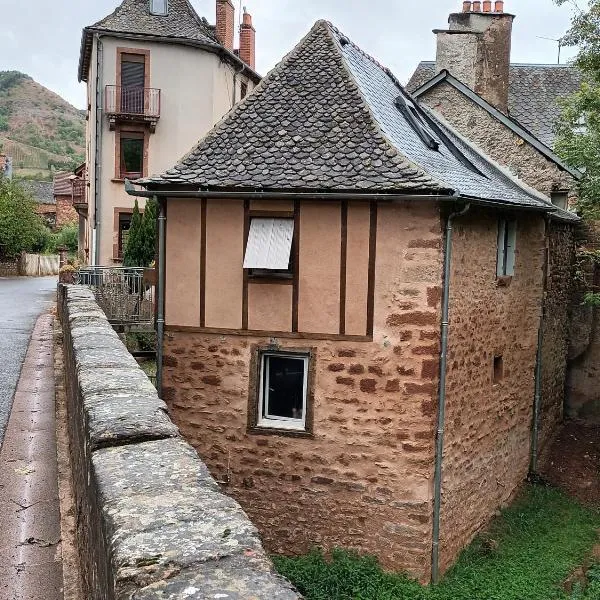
[(498, 141), (488, 422), (559, 291), (151, 521), (364, 479)]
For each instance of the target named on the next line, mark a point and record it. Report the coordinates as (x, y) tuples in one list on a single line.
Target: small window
[(269, 247), (243, 90), (560, 199), (159, 7), (124, 226), (507, 239), (132, 155), (498, 369), (283, 391)]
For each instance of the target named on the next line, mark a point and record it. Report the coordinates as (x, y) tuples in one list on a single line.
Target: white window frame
[(277, 422), (159, 13), (507, 245)]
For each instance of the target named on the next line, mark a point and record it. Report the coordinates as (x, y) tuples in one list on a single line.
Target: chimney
[(476, 49), (248, 40), (225, 28)]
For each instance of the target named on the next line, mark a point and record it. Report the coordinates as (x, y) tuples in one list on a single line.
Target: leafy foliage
[(141, 242), (21, 229), (67, 238), (578, 131), (526, 554)]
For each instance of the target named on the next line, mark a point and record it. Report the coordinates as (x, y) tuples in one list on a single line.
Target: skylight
[(159, 7)]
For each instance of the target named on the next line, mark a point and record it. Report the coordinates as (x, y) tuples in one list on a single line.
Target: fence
[(39, 265), (126, 295)]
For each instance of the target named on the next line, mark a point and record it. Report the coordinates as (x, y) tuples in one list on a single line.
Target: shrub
[(67, 237)]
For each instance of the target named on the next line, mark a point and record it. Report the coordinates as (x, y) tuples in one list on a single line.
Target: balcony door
[(133, 78)]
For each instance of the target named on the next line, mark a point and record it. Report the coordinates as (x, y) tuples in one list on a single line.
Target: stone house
[(509, 111), (63, 197), (158, 77), (312, 249)]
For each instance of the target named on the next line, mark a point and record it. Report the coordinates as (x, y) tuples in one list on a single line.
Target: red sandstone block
[(368, 385), (413, 318), (336, 367)]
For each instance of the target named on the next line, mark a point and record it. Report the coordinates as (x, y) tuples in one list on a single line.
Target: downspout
[(537, 401), (441, 419), (160, 292), (98, 151)]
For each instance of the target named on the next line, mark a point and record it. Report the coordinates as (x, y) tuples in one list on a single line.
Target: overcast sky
[(42, 38)]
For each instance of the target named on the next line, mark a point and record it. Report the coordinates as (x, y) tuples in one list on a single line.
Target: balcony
[(80, 187), (133, 105)]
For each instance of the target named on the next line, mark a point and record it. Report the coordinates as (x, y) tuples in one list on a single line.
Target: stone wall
[(488, 413), (151, 521), (498, 141), (9, 267), (65, 213)]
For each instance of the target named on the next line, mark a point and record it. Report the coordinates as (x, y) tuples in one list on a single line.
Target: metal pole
[(160, 301), (441, 420)]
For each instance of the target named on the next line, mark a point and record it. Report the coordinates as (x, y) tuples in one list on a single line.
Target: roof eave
[(215, 48), (520, 130)]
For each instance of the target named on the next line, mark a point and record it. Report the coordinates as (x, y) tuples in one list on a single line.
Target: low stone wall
[(151, 521)]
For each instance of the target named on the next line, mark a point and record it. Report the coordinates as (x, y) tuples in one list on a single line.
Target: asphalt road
[(22, 300)]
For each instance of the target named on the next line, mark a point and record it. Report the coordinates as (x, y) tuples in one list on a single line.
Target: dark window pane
[(284, 387), (124, 226), (132, 156)]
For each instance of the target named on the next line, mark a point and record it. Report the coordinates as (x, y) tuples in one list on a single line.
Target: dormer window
[(159, 7)]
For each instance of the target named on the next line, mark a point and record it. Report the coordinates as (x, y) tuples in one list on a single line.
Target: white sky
[(42, 37)]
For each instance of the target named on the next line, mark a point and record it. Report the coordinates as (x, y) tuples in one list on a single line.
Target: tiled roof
[(181, 25), (42, 191), (62, 183), (182, 21), (326, 119), (533, 93)]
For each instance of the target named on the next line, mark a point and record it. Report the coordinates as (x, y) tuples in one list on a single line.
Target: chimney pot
[(477, 6), (467, 6), (248, 40), (487, 6), (499, 7)]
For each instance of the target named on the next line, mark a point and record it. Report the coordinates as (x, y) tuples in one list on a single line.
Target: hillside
[(38, 128)]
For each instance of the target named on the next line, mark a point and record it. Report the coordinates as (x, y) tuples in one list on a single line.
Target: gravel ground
[(22, 300)]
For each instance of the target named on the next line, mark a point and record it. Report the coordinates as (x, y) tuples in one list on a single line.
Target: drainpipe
[(537, 401), (96, 238), (160, 302), (441, 419)]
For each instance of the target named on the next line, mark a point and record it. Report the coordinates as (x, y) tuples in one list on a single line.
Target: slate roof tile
[(42, 191), (534, 91), (326, 119)]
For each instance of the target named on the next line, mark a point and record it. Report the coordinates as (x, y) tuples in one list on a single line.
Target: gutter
[(98, 150), (446, 195), (160, 303), (441, 418)]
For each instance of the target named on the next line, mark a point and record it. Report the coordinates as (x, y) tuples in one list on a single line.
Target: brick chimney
[(248, 41), (225, 27), (476, 49)]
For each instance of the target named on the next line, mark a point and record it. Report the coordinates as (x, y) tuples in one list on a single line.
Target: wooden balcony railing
[(132, 104), (79, 192)]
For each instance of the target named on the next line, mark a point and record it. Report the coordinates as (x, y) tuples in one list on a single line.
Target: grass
[(526, 554)]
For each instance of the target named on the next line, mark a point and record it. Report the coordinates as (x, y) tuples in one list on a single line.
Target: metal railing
[(125, 294), (132, 101)]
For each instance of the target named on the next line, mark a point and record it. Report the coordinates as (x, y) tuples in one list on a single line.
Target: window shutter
[(269, 244), (501, 268), (511, 247), (132, 74)]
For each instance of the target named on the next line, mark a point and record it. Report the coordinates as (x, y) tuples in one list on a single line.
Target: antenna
[(558, 41)]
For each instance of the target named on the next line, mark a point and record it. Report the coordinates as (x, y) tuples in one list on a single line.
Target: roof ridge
[(444, 185), (240, 106)]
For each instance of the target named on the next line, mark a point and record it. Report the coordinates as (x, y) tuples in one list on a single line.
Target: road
[(22, 300)]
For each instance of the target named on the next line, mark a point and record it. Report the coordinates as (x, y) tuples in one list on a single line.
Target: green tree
[(21, 229), (149, 231), (578, 129), (133, 254)]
